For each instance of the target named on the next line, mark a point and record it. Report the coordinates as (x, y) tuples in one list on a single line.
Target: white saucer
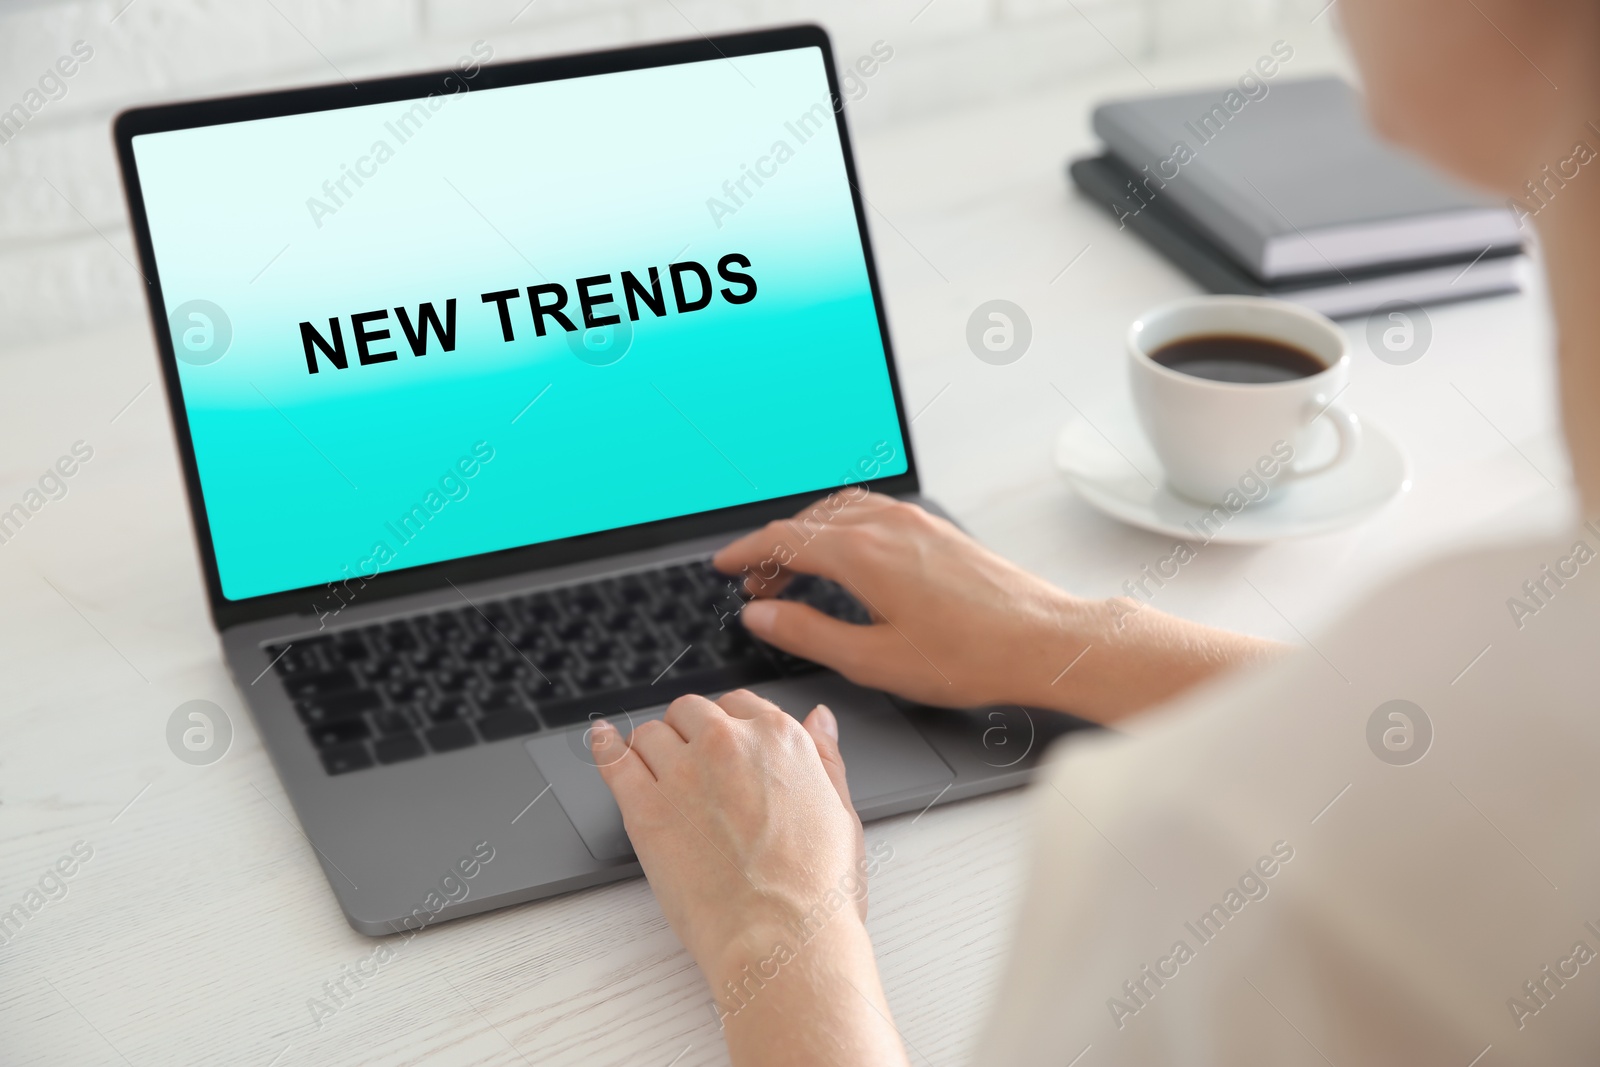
[(1350, 493)]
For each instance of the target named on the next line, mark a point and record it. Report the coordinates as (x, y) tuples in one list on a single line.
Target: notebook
[(1357, 291), (1294, 183)]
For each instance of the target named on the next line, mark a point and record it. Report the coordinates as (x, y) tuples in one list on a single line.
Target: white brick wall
[(65, 254)]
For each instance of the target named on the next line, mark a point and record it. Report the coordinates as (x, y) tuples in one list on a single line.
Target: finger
[(771, 556), (824, 731), (743, 704), (690, 715), (657, 744), (856, 506), (805, 545), (765, 552), (755, 585), (804, 631), (624, 773), (847, 505)]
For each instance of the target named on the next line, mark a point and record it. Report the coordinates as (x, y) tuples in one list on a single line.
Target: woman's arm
[(742, 820), (958, 626), (741, 816)]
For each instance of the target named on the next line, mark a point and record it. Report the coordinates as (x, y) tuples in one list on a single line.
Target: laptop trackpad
[(883, 752)]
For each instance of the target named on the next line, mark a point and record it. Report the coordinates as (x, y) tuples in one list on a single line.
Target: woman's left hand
[(742, 821), (741, 818)]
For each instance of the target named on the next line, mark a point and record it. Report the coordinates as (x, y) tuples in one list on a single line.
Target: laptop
[(470, 374)]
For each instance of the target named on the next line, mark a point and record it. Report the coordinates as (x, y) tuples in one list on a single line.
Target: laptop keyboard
[(458, 677)]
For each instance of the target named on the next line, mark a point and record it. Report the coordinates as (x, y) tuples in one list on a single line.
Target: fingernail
[(601, 733), (758, 615), (830, 725)]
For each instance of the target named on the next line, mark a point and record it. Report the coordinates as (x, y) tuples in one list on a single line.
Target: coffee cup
[(1226, 386)]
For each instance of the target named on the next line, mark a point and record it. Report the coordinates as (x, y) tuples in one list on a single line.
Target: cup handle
[(1348, 428)]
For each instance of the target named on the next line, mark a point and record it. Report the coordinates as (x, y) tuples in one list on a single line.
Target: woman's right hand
[(955, 625)]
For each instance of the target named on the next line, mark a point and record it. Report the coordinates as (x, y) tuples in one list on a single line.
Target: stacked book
[(1285, 192)]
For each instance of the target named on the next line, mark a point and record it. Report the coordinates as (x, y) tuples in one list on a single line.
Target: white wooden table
[(201, 928)]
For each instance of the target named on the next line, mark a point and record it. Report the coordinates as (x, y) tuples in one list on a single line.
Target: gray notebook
[(1294, 182)]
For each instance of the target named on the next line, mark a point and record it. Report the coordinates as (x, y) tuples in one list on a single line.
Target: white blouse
[(1385, 850)]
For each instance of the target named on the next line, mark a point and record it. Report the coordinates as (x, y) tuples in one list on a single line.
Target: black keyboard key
[(595, 679), (297, 657), (346, 705), (504, 699), (447, 737), (455, 681), (830, 598), (693, 659), (398, 747), (504, 724), (408, 691), (449, 710), (695, 627), (716, 591), (713, 682), (509, 670), (431, 660), (539, 609), (732, 644), (578, 630), (338, 732), (317, 644), (342, 759), (383, 670), (556, 685), (392, 722), (333, 681), (640, 670), (445, 622), (533, 638), (400, 639), (558, 659), (640, 640), (669, 612)]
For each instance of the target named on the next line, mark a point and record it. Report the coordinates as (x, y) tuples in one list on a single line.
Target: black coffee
[(1233, 358)]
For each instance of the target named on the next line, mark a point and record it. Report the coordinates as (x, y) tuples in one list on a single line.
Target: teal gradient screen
[(402, 249)]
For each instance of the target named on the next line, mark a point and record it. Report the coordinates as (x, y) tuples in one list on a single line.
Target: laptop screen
[(423, 330)]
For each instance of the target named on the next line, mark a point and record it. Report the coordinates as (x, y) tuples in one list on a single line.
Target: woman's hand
[(956, 625), (740, 816), (742, 821)]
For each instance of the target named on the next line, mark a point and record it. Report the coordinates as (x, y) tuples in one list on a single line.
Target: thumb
[(824, 731), (802, 630), (619, 765)]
